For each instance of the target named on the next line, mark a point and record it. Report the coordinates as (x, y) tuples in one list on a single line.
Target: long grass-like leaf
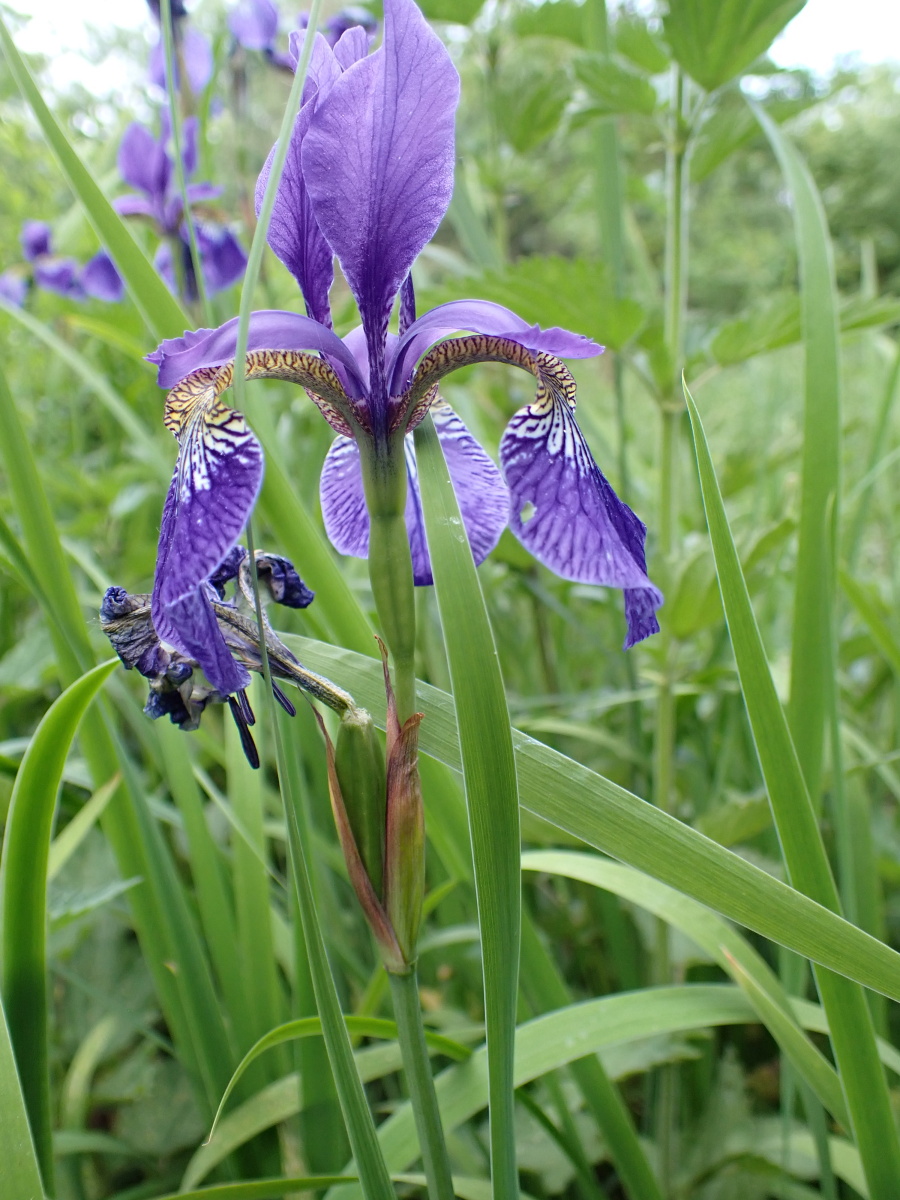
[(21, 1174), (606, 816), (23, 889), (850, 1022), (490, 778), (555, 1039), (812, 665)]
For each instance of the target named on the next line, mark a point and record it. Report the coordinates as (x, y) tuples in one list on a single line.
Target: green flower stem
[(671, 408), (390, 564), (168, 31), (417, 1066)]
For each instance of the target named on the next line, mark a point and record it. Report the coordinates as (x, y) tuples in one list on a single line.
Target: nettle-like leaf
[(560, 19), (715, 40), (575, 293), (531, 112), (777, 323), (636, 41), (613, 88), (460, 12)]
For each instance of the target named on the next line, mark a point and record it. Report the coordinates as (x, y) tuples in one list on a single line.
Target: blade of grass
[(714, 935), (850, 1022), (21, 1174), (162, 313), (812, 665), (140, 436), (490, 781), (23, 891), (163, 919), (606, 816), (544, 982)]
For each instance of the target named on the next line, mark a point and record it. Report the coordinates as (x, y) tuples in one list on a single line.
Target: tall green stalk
[(417, 1068)]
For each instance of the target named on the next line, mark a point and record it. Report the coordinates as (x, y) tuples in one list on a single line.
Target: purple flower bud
[(36, 240)]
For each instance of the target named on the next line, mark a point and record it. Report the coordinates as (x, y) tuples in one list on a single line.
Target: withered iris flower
[(368, 178)]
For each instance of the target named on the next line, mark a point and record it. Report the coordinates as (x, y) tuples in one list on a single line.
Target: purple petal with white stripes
[(566, 514), (216, 481)]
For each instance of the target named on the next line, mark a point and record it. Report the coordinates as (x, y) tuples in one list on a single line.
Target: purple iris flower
[(192, 49), (36, 240), (13, 288), (98, 278), (368, 178), (335, 27), (145, 164), (254, 25)]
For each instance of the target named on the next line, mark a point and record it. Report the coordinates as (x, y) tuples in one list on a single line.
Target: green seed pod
[(359, 760)]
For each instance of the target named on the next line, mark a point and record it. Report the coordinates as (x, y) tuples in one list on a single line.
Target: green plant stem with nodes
[(417, 1066), (168, 31), (671, 408)]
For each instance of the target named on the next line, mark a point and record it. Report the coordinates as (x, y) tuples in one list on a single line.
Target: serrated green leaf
[(714, 40), (635, 40), (612, 88)]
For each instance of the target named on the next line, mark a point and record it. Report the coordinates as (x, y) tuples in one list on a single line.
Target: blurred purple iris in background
[(254, 25), (368, 178), (145, 164), (192, 50), (97, 279)]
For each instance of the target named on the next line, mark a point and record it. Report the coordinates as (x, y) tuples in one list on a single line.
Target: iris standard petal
[(254, 23), (270, 329), (378, 163), (35, 239), (100, 279), (480, 490), (143, 162), (293, 232), (353, 44), (564, 511), (480, 316)]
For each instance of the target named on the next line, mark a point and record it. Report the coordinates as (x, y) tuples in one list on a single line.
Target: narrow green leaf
[(849, 1018), (558, 1038), (490, 779), (723, 943), (69, 839), (812, 642), (261, 1189), (21, 1174), (606, 816), (304, 1027), (141, 438), (159, 308), (23, 891)]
